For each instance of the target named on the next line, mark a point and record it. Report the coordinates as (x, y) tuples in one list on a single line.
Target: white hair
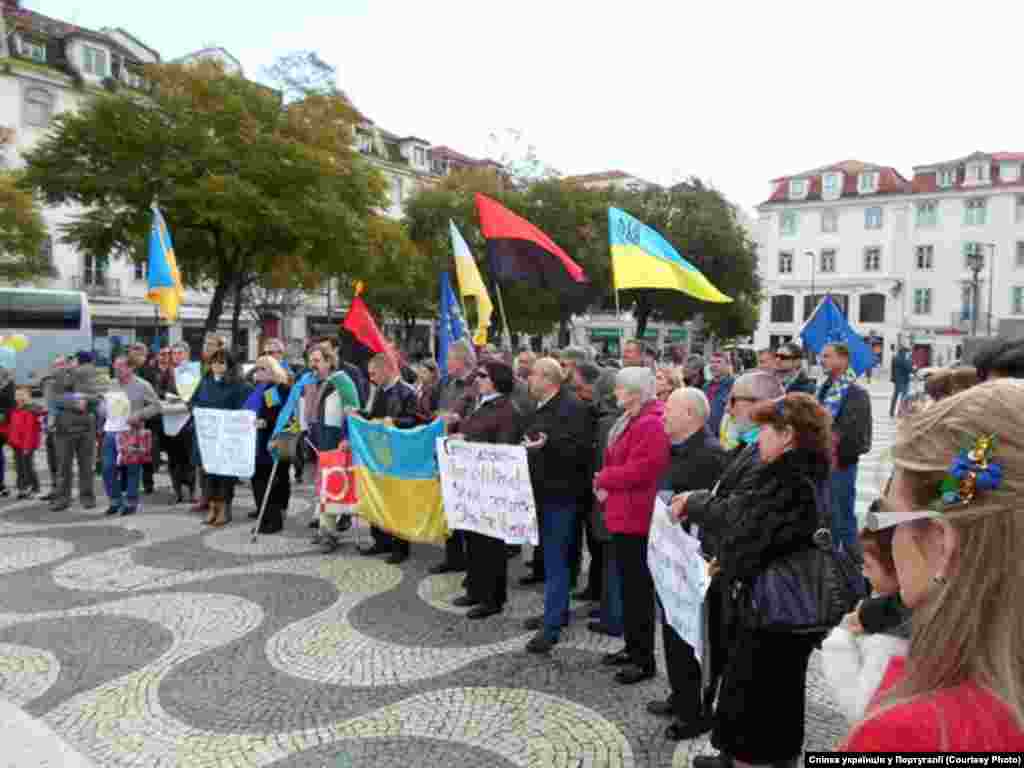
[(639, 380), (697, 399)]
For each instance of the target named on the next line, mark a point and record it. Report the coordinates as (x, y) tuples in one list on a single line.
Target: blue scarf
[(255, 400), (835, 392)]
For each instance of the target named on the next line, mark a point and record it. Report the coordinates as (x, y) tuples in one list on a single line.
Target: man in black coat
[(697, 461), (394, 402), (559, 447), (791, 370)]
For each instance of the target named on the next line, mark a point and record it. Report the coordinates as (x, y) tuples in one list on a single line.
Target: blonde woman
[(666, 381), (958, 543), (266, 401)]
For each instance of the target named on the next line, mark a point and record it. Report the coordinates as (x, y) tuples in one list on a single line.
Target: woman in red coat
[(636, 457), (955, 503)]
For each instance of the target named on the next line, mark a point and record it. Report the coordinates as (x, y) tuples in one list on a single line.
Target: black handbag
[(808, 591)]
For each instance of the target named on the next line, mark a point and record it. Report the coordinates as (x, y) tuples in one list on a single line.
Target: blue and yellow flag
[(165, 288), (642, 258), (398, 478)]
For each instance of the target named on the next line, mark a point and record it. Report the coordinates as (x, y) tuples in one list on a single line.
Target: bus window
[(42, 311)]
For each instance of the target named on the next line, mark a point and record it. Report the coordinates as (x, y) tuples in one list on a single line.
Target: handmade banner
[(397, 478), (337, 481), (227, 441), (680, 576), (186, 379), (486, 489)]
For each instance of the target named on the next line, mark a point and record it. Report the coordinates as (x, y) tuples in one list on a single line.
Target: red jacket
[(633, 464), (965, 718), (23, 431)]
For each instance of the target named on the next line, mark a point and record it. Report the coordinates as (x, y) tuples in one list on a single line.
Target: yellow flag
[(471, 284)]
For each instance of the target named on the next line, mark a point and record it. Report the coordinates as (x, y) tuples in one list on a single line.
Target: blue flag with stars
[(828, 326), (453, 325)]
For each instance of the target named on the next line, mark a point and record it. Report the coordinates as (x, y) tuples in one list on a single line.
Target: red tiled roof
[(926, 181), (600, 176), (889, 181), (449, 153)]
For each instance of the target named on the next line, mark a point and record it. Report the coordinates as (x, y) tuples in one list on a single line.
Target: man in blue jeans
[(559, 446), (126, 406)]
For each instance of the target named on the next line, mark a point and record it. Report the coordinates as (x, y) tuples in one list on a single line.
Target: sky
[(734, 92)]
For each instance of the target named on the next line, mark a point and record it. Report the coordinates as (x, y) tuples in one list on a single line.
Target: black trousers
[(25, 467), (179, 458), (456, 549), (221, 487), (280, 494), (684, 674), (384, 539), (637, 597), (52, 463), (585, 529), (487, 569)]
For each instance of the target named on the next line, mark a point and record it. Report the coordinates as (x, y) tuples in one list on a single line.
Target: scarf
[(835, 394), (730, 436)]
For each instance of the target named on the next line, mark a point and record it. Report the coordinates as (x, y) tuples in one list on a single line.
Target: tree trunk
[(642, 313), (216, 307), (236, 312)]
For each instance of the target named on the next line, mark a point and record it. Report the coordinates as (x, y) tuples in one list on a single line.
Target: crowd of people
[(745, 461)]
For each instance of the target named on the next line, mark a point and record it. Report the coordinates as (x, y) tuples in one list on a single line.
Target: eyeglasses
[(482, 375), (741, 399)]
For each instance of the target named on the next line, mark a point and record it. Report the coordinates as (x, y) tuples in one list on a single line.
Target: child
[(23, 434), (857, 652)]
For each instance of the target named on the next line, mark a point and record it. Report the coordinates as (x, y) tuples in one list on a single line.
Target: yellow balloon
[(18, 342)]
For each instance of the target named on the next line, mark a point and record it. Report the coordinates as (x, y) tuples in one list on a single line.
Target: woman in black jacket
[(773, 513), (266, 400), (495, 420)]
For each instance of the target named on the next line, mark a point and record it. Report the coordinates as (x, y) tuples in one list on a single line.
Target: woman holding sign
[(495, 420), (223, 389)]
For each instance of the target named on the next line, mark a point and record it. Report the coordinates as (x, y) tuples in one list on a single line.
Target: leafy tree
[(247, 184), (22, 234), (519, 158), (303, 73)]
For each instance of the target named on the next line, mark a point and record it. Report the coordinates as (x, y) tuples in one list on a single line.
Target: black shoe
[(662, 707), (60, 506), (4, 492), (254, 514), (437, 570), (540, 644), (148, 491), (344, 523), (528, 581), (537, 622), (682, 730), (397, 558), (634, 674), (314, 523), (465, 601), (22, 495), (586, 595), (483, 611), (89, 504), (600, 628), (617, 659), (721, 760), (48, 497), (128, 511), (376, 549), (112, 510)]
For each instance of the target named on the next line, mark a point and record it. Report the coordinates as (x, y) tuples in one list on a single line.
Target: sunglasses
[(482, 375), (740, 399)]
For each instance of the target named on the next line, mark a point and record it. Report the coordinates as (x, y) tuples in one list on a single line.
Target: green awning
[(651, 334), (605, 333), (678, 334)]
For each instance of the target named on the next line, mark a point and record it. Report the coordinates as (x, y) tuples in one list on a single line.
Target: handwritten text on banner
[(227, 441), (486, 488)]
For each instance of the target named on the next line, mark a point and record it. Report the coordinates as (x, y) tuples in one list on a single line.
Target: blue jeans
[(844, 499), (558, 518), (611, 599), (114, 476), (899, 392)]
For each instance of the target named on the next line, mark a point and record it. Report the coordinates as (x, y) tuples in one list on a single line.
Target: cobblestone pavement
[(153, 641)]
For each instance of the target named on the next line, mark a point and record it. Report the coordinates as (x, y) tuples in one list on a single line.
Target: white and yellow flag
[(471, 284)]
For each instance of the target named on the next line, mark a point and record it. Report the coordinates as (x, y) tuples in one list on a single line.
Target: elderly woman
[(773, 513), (494, 420), (266, 400), (636, 457), (958, 546), (666, 381)]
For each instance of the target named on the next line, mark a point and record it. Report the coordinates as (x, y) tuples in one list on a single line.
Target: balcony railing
[(97, 285)]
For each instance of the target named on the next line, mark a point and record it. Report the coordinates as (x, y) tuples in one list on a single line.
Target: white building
[(612, 179), (894, 253)]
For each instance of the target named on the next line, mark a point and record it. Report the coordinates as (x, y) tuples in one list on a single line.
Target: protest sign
[(680, 576), (227, 441), (486, 488)]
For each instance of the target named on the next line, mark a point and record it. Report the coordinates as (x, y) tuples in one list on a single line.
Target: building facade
[(920, 262)]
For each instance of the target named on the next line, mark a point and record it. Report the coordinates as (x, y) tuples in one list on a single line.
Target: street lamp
[(813, 264), (975, 263), (991, 284)]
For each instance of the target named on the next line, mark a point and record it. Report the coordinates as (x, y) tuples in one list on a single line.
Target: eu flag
[(828, 326), (165, 288), (453, 326)]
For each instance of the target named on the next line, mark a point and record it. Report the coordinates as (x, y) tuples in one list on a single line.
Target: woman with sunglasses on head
[(958, 544), (495, 420)]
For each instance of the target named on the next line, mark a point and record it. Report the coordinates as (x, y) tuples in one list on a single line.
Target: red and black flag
[(517, 250)]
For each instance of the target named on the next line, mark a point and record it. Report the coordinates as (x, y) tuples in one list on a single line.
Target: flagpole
[(506, 332)]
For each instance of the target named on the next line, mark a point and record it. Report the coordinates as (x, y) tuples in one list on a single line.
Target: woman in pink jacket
[(636, 457)]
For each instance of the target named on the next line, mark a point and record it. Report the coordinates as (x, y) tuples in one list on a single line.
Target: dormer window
[(831, 186), (32, 49), (1009, 172), (946, 177), (797, 189), (867, 182), (95, 61), (978, 173), (419, 156)]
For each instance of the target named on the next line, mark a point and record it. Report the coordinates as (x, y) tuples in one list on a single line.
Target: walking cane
[(263, 506)]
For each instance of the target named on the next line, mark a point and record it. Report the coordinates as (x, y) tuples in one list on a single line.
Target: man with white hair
[(559, 446), (696, 461)]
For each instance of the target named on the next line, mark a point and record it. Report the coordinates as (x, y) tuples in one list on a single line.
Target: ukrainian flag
[(165, 288), (398, 478), (641, 258)]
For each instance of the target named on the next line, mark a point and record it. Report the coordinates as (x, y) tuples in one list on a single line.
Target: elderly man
[(718, 390), (696, 462), (850, 406), (457, 402), (395, 402), (559, 447)]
